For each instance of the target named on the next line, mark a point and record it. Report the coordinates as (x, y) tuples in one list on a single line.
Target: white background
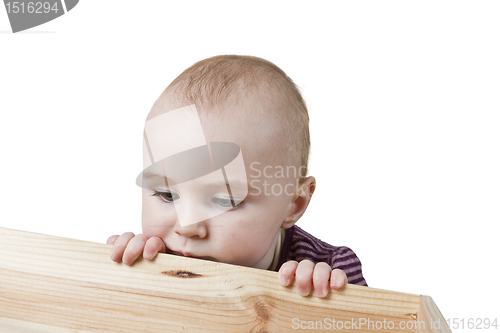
[(404, 108)]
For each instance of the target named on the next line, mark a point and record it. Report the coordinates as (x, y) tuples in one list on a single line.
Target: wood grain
[(53, 284), (430, 319)]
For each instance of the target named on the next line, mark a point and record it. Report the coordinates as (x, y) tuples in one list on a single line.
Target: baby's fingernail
[(302, 292), (114, 256), (283, 281), (333, 284), (320, 293), (149, 255)]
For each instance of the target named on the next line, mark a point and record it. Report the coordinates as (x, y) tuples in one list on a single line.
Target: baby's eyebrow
[(238, 184), (149, 175), (233, 183)]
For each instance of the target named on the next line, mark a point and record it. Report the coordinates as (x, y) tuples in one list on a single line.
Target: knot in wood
[(181, 274), (262, 309)]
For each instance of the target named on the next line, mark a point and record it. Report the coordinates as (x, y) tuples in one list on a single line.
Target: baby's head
[(249, 102)]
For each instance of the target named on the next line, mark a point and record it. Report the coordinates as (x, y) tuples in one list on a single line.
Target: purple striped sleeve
[(300, 245)]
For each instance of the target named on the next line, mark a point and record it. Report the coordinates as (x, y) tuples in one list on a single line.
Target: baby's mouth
[(176, 253), (182, 254), (190, 255)]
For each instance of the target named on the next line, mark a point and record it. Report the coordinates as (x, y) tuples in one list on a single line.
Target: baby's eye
[(226, 203), (166, 196)]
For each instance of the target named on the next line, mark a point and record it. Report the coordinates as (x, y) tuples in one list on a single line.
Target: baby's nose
[(191, 230)]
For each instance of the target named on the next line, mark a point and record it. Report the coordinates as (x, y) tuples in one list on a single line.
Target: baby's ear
[(300, 201)]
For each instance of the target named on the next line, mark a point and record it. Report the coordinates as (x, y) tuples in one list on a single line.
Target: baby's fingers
[(154, 245), (134, 249), (119, 246), (321, 276), (286, 273), (112, 239), (337, 279), (303, 277)]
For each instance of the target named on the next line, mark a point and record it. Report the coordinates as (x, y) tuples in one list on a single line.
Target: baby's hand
[(128, 247), (308, 276)]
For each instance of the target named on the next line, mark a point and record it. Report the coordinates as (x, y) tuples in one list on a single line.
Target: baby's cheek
[(149, 232), (153, 227), (253, 244), (157, 220), (241, 232), (235, 238)]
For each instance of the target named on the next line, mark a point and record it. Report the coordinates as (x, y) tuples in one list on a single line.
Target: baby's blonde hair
[(223, 79)]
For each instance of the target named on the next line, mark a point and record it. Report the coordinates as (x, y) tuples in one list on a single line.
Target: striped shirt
[(299, 245)]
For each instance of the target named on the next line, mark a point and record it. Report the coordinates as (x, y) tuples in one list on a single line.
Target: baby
[(249, 112)]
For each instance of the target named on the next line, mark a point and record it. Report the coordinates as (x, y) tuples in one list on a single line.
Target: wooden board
[(430, 319), (53, 284)]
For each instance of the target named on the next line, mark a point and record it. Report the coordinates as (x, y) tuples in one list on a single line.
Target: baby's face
[(246, 234)]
